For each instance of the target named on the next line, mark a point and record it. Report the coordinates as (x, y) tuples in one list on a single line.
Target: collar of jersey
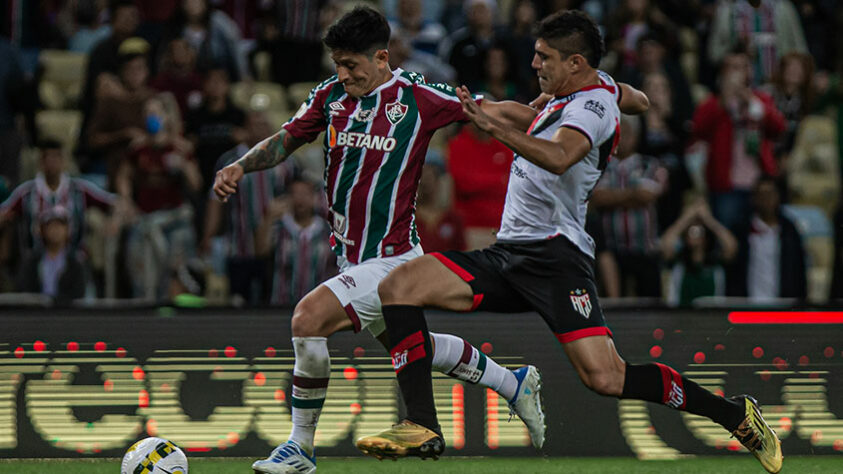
[(395, 73)]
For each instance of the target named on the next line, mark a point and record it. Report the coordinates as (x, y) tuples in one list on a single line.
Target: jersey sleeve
[(592, 116), (310, 120), (96, 196), (13, 205), (439, 105)]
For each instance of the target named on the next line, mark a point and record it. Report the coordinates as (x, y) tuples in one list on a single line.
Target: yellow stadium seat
[(61, 125), (66, 70), (263, 63), (263, 96)]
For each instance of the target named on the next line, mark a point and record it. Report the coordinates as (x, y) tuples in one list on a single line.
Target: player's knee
[(604, 382), (396, 287), (307, 322)]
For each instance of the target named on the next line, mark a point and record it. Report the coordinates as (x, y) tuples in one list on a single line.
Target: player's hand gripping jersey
[(374, 150), (540, 204)]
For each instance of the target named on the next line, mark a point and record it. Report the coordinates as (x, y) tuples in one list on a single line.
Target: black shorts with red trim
[(551, 277)]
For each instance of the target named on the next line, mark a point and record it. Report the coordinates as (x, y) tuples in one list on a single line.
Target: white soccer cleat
[(527, 403), (287, 458)]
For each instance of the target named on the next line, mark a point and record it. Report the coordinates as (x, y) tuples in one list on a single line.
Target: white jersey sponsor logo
[(360, 140)]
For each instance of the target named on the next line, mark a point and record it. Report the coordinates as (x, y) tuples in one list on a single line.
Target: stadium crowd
[(115, 115)]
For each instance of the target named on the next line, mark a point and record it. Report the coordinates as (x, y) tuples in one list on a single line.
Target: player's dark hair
[(360, 31), (572, 32)]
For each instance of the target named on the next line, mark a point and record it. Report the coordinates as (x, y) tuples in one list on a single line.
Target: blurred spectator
[(105, 58), (299, 238), (629, 23), (739, 125), (177, 75), (696, 247), (216, 125), (653, 58), (421, 34), (243, 213), (497, 75), (118, 118), (465, 49), (212, 34), (769, 31), (428, 65), (663, 137), (54, 270), (89, 28), (793, 93), (439, 227), (771, 261), (290, 31), (11, 87), (479, 166), (522, 44), (605, 265), (626, 198), (53, 187), (158, 176)]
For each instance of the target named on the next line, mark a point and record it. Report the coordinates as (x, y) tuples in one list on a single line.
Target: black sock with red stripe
[(412, 356), (659, 383)]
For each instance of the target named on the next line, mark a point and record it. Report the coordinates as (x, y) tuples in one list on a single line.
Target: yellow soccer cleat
[(757, 436), (403, 439)]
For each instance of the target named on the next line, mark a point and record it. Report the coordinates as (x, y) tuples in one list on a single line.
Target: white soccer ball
[(154, 456)]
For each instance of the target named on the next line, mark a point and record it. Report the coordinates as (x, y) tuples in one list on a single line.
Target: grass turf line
[(457, 465)]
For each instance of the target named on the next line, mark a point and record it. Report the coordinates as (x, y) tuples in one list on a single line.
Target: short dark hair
[(572, 32), (358, 31)]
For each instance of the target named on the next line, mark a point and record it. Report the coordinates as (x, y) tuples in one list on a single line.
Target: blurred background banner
[(90, 382)]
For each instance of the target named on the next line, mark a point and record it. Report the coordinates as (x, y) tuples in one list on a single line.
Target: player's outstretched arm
[(565, 149), (510, 113), (266, 154), (633, 101)]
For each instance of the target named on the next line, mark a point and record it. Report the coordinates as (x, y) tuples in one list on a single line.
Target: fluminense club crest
[(395, 112), (581, 302)]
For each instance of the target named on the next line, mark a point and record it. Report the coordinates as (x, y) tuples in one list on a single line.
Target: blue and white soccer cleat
[(527, 403), (287, 458)]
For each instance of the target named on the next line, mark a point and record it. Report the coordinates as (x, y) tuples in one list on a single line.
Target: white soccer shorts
[(357, 289)]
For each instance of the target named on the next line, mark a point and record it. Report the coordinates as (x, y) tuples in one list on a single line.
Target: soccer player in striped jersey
[(378, 123), (543, 260)]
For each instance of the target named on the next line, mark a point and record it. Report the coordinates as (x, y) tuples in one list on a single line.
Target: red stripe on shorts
[(572, 336), (460, 271), (352, 315)]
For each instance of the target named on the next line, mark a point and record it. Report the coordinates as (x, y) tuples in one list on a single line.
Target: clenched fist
[(225, 182)]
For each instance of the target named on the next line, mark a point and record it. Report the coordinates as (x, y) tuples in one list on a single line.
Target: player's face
[(360, 73), (550, 67)]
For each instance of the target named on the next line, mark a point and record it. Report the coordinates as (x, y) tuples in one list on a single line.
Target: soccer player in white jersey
[(543, 259), (377, 123)]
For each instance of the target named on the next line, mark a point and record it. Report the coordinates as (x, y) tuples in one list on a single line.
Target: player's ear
[(381, 58)]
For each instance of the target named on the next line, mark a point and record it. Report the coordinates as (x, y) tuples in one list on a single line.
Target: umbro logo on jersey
[(395, 112), (581, 302), (336, 108), (347, 281), (359, 140)]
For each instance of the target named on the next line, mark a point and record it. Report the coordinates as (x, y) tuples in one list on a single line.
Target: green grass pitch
[(719, 465)]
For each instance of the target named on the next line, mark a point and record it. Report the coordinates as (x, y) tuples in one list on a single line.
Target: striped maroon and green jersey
[(31, 198), (375, 146)]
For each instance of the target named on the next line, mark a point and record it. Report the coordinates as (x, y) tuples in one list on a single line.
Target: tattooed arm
[(265, 154)]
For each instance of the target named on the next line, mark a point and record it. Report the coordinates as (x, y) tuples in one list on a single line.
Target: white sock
[(455, 357), (310, 384)]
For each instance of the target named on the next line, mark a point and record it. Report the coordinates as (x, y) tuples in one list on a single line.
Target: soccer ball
[(154, 456)]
